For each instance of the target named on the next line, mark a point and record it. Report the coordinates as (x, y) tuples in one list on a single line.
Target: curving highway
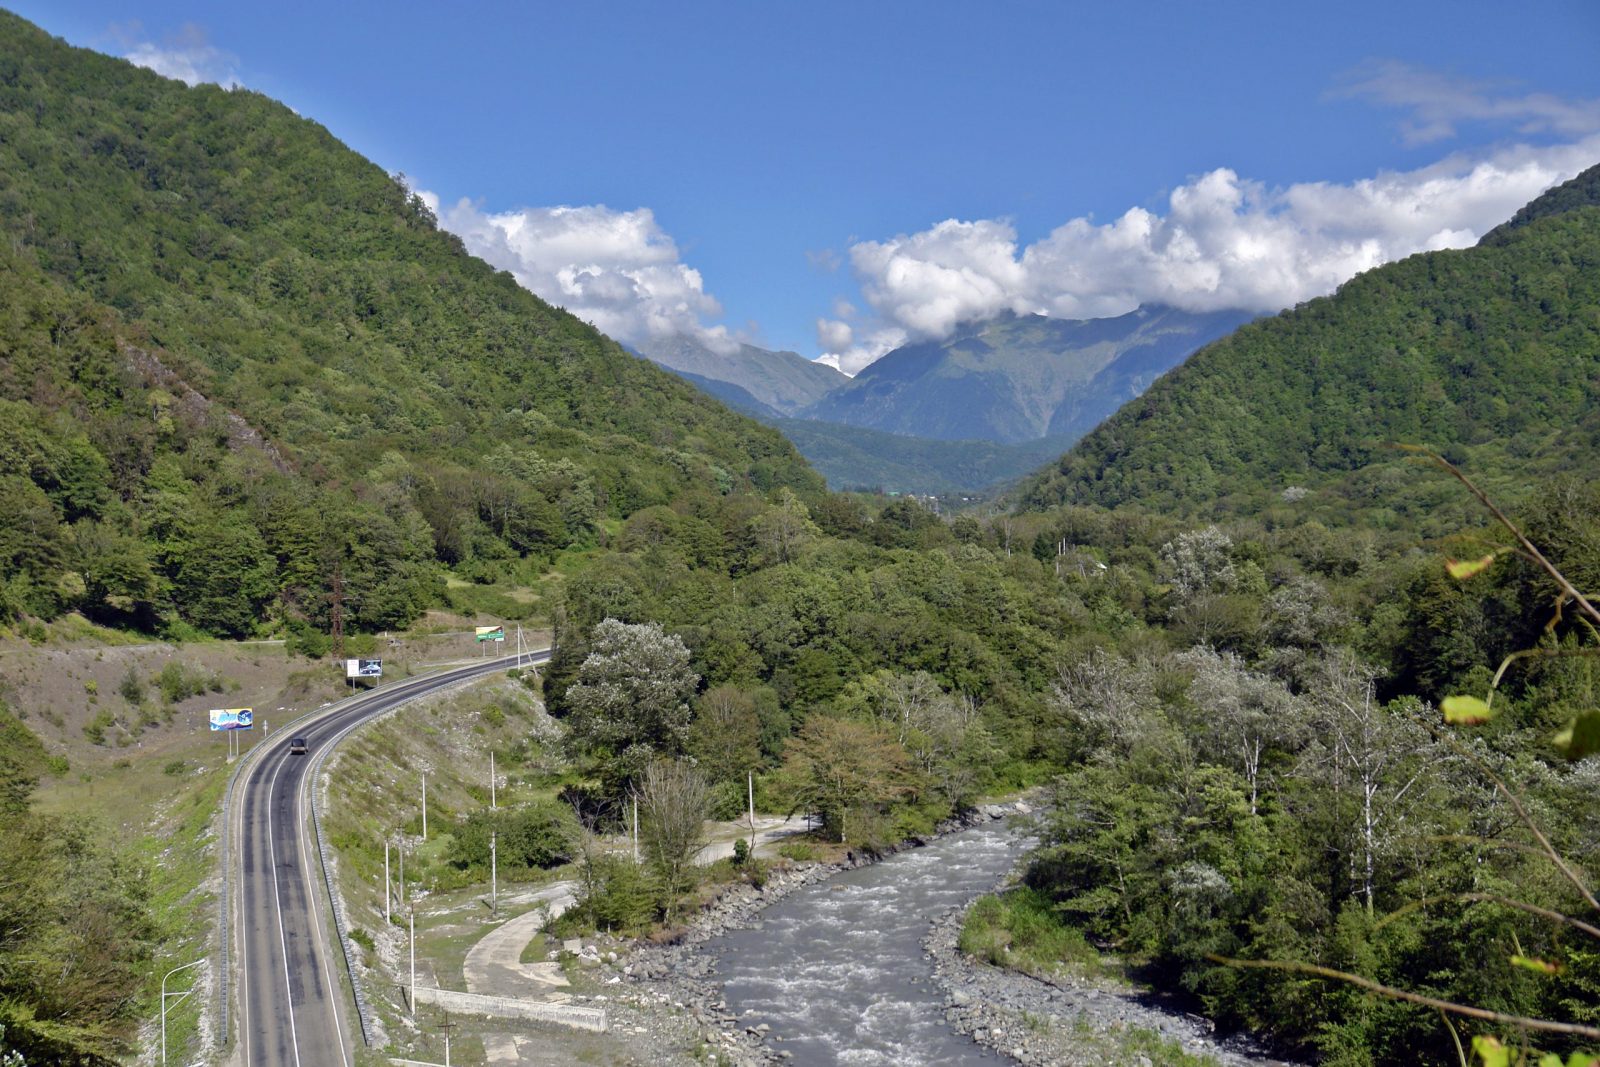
[(292, 1010)]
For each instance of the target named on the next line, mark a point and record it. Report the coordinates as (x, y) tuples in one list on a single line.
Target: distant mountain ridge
[(1018, 378), (783, 382), (989, 402)]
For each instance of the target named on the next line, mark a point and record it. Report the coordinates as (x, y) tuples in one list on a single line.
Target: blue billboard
[(232, 718)]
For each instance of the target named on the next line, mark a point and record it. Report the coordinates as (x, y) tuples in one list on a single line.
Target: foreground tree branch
[(1491, 898), (1467, 1010)]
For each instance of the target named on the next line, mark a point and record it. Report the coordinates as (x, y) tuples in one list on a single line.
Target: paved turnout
[(293, 1008)]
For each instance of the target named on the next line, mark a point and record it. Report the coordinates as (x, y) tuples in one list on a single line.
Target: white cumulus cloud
[(618, 270), (1223, 241), (834, 335), (186, 55)]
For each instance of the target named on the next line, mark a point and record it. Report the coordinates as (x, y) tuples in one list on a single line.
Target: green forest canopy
[(233, 347)]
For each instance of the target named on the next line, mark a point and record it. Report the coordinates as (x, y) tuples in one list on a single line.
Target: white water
[(837, 969)]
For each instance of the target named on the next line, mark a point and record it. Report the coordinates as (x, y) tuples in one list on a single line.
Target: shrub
[(538, 835), (799, 851), (306, 640), (131, 688), (625, 897), (178, 682), (1021, 929), (96, 728)]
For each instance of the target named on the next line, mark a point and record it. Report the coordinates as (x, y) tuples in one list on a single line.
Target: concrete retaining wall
[(573, 1015)]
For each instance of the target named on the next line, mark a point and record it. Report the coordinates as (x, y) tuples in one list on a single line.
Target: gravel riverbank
[(1070, 1022)]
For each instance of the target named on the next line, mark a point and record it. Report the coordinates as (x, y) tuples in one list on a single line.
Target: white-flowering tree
[(630, 703), (1108, 703), (1242, 718), (1199, 562)]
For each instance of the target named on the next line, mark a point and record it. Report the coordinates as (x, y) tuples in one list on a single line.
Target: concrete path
[(500, 1048), (494, 965), (769, 829)]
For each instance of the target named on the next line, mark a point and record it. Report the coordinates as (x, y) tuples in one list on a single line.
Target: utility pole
[(411, 918), (402, 870), (750, 782), (636, 828), (446, 1027), (424, 805), (494, 874), (386, 881)]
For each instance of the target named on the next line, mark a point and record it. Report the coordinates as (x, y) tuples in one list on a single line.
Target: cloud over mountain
[(186, 55), (1224, 241), (618, 270)]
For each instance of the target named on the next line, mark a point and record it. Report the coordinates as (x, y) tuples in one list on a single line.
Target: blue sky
[(841, 177)]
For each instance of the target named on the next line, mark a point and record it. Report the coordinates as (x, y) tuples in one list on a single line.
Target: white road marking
[(272, 848), (536, 659), (244, 940), (316, 918)]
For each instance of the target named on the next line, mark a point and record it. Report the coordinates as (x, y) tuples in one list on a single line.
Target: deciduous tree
[(630, 702)]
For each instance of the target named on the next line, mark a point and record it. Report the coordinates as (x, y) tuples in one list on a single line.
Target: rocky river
[(856, 965)]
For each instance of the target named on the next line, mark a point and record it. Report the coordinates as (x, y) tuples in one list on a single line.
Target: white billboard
[(363, 668)]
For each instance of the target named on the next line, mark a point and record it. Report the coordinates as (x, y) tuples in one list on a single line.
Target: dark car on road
[(297, 746)]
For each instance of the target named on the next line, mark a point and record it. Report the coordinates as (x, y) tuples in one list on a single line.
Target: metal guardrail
[(340, 926)]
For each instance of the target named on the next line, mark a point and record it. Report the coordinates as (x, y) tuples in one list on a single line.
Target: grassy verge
[(1020, 930), (1129, 1045), (375, 794), (181, 859)]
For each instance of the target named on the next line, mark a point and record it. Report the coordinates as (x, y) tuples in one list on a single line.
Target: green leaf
[(1581, 737), (1466, 568), (1491, 1051), (1537, 966), (1465, 711)]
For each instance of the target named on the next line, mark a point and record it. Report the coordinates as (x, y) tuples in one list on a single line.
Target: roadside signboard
[(363, 668), (232, 718), (490, 633)]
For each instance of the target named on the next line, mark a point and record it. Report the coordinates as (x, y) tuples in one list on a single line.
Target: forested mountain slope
[(1488, 353), (855, 458), (240, 367)]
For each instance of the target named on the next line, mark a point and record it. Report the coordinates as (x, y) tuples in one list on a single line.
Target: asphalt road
[(293, 1011)]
